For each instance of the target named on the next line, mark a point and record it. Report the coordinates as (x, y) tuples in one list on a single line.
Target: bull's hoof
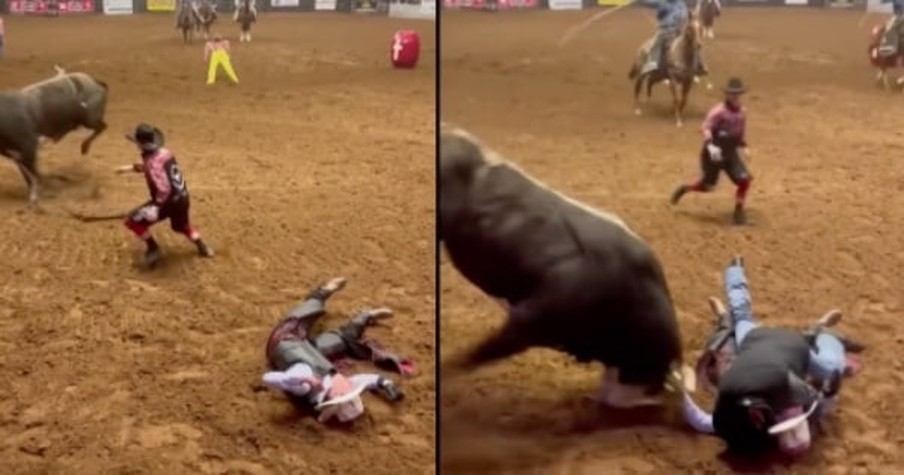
[(638, 112), (679, 124)]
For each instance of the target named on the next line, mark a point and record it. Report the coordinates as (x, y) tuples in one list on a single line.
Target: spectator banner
[(878, 6), (321, 5), (118, 7), (43, 7), (566, 4), (284, 3), (161, 5), (413, 9)]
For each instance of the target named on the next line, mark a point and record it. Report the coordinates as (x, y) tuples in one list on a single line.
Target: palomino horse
[(245, 16), (206, 16), (187, 23), (884, 64), (707, 11), (680, 68)]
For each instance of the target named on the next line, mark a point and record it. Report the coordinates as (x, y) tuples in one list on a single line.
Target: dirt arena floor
[(825, 231), (319, 163)]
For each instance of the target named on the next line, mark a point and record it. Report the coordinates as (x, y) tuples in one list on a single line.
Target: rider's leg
[(655, 54), (892, 37), (313, 306), (739, 301)]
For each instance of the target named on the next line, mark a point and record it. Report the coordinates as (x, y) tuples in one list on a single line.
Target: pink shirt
[(725, 127), (211, 46)]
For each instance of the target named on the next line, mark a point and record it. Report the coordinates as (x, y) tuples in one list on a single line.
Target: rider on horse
[(238, 7), (671, 16), (183, 4), (894, 31)]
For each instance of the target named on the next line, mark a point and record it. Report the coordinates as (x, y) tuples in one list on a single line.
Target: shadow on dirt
[(504, 428), (722, 218)]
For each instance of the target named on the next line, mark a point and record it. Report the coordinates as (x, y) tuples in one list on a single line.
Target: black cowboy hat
[(147, 136), (735, 86)]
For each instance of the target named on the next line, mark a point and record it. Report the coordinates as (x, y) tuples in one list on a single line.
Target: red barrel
[(406, 49)]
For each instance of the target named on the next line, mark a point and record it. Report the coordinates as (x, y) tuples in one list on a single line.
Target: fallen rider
[(771, 384), (304, 365)]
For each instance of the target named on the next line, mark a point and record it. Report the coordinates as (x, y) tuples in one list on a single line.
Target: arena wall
[(514, 5), (417, 9)]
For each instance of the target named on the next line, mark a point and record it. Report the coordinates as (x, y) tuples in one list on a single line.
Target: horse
[(680, 68), (207, 14), (884, 64), (707, 11), (245, 16), (187, 22)]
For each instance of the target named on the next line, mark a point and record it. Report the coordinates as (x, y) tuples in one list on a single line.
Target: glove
[(150, 213), (715, 153)]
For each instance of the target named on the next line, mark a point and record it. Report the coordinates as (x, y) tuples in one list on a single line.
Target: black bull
[(572, 278), (51, 108)]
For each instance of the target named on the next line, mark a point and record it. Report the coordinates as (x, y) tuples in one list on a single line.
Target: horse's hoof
[(638, 112), (679, 124), (709, 86), (696, 79)]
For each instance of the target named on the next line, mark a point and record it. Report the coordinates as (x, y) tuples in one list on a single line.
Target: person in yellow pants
[(216, 53)]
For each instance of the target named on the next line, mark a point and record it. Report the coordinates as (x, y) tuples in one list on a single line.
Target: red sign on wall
[(41, 7)]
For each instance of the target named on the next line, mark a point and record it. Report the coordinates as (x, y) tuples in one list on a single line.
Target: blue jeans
[(831, 356)]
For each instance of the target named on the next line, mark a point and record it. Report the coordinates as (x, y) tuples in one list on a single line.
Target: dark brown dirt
[(319, 163), (825, 227)]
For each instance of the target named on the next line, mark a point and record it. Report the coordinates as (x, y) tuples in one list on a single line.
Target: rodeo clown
[(169, 194), (724, 148), (894, 31), (766, 379), (671, 16), (302, 364)]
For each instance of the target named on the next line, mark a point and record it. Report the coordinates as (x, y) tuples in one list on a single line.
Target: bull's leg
[(95, 132), (511, 339), (620, 395), (27, 163)]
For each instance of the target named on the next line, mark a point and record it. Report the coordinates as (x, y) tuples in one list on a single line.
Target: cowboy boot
[(387, 360), (203, 249), (367, 317), (327, 289), (388, 390), (679, 192), (723, 318), (740, 216)]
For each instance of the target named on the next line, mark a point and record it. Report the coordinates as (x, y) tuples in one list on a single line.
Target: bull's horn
[(59, 69)]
